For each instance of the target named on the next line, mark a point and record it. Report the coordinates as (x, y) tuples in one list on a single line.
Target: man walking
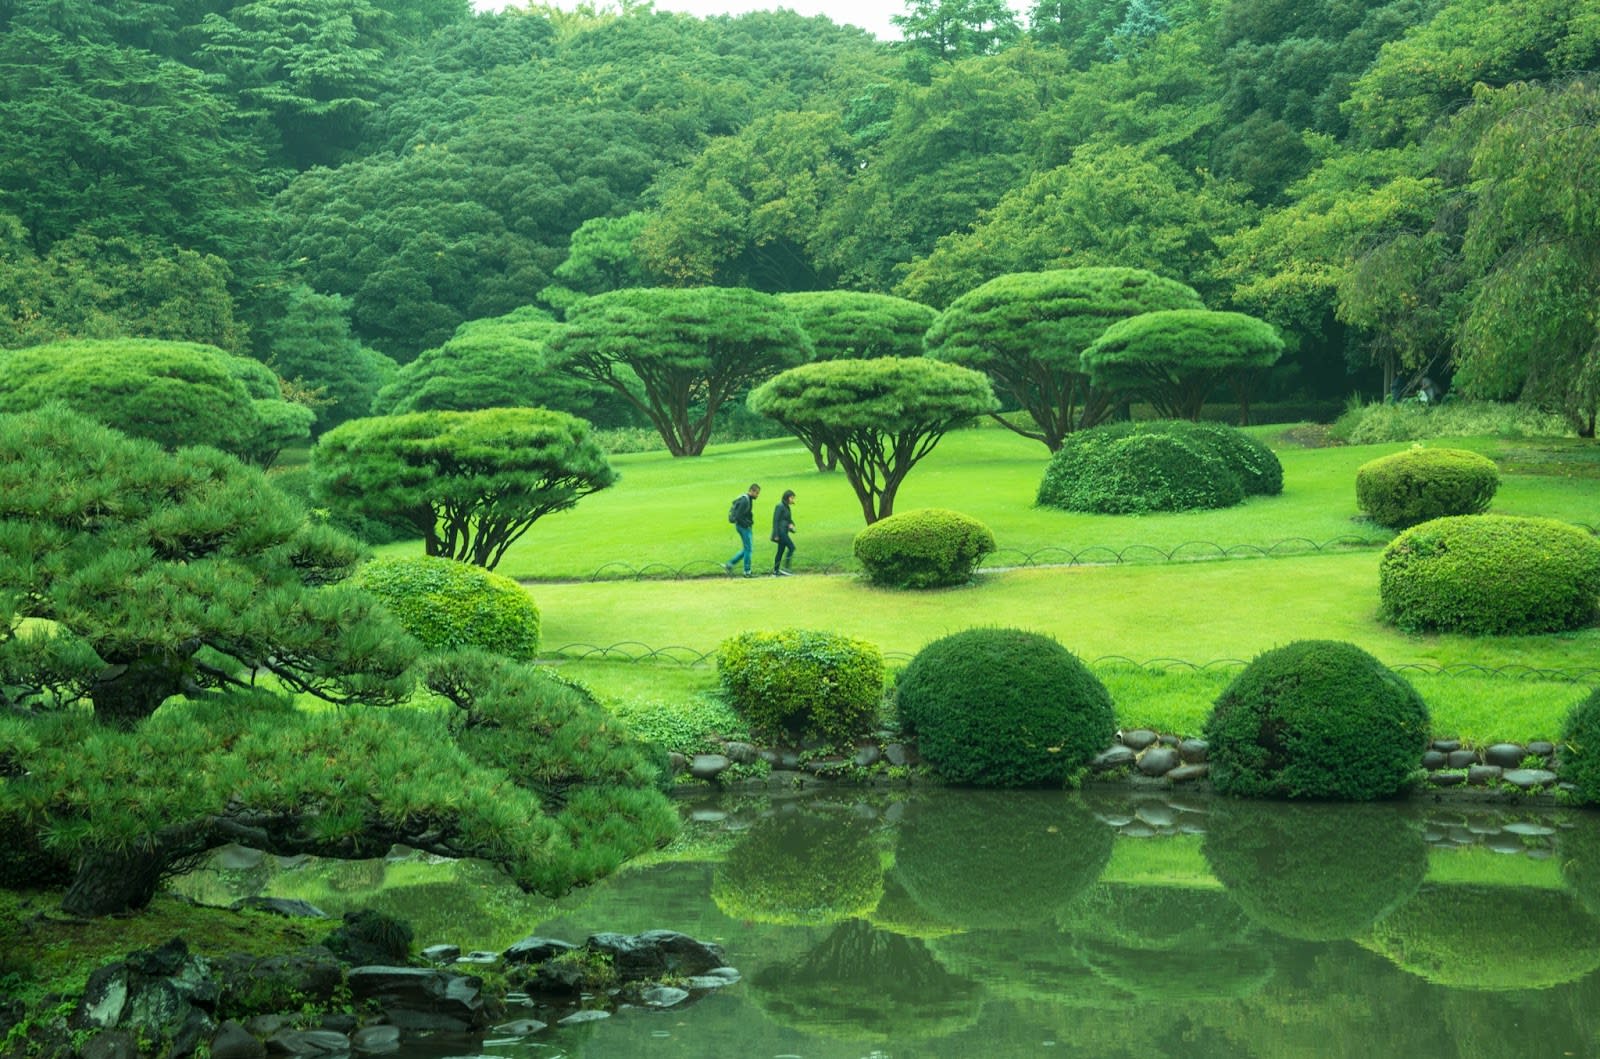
[(742, 515)]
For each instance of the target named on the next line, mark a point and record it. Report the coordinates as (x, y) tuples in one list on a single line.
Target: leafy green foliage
[(1027, 331), (1004, 708), (1274, 861), (1316, 719), (1166, 465), (1580, 748), (878, 418), (802, 683), (678, 354), (1175, 358), (689, 724), (173, 393), (312, 348), (469, 483), (1416, 485), (447, 605), (856, 325), (1491, 575), (162, 574), (927, 548), (800, 869), (1410, 421)]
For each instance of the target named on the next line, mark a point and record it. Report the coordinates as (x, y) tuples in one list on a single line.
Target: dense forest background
[(331, 186)]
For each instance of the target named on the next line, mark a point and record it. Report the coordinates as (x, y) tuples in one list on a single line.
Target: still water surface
[(960, 923)]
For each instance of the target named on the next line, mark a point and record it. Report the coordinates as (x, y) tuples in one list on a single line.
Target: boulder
[(656, 953), (422, 998)]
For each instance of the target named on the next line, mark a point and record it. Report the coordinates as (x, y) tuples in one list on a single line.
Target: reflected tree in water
[(864, 984), (803, 870), (1306, 871)]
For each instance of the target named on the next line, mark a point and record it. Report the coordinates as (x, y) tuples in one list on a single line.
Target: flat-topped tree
[(1176, 358), (132, 579), (880, 416), (497, 362), (469, 483), (1027, 330), (857, 325), (677, 354)]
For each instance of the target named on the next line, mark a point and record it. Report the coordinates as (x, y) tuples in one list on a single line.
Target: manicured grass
[(668, 516)]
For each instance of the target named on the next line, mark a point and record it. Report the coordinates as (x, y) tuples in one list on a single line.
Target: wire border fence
[(688, 657), (1014, 559)]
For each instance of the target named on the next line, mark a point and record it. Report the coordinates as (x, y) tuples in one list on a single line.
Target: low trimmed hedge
[(803, 683), (1316, 719), (1405, 488), (929, 548), (448, 605), (1491, 575), (1004, 708), (1164, 465)]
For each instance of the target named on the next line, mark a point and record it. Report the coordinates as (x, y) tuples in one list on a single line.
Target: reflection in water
[(1307, 871), (1013, 924)]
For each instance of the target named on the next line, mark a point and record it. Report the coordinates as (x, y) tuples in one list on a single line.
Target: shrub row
[(1163, 465)]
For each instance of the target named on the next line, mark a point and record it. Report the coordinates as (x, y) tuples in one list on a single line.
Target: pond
[(963, 923)]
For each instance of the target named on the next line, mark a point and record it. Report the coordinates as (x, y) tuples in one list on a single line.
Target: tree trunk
[(111, 880), (126, 692)]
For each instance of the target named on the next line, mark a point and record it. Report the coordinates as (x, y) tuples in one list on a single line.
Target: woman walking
[(782, 527)]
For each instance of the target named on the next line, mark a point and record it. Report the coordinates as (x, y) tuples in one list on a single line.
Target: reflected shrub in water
[(800, 682), (1580, 748), (1405, 488), (860, 983), (1316, 719), (1004, 708), (447, 605), (1490, 937), (1212, 972), (983, 860), (1579, 849), (1312, 872), (801, 869), (1490, 575)]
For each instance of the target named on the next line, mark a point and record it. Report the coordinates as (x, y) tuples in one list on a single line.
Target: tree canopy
[(1177, 357), (470, 484), (677, 354), (880, 417), (1028, 330)]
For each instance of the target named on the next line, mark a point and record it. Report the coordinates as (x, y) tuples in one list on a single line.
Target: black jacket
[(782, 521), (744, 513)]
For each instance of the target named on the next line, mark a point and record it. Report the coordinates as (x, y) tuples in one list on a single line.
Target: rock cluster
[(166, 1001)]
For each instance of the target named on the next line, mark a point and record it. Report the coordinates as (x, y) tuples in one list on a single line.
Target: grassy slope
[(666, 517)]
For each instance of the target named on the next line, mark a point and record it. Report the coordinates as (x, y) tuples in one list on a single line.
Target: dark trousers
[(785, 552)]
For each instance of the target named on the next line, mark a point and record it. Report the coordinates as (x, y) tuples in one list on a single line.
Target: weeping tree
[(857, 325), (880, 416), (470, 484), (1027, 331), (679, 354), (162, 612), (1176, 358)]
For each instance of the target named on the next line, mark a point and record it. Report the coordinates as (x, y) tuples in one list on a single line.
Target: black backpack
[(737, 508)]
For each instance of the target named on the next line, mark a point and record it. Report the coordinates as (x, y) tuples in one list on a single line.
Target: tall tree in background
[(678, 354), (949, 30), (313, 348), (1028, 330)]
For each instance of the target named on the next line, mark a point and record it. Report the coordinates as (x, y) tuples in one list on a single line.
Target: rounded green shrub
[(448, 605), (1316, 719), (1165, 465), (1305, 873), (801, 869), (930, 548), (1580, 753), (1004, 708), (1405, 488), (801, 682), (1490, 575)]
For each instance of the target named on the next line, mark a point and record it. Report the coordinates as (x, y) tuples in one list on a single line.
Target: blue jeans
[(745, 547)]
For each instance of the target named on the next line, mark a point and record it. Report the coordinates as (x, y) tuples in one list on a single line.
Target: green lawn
[(1131, 620)]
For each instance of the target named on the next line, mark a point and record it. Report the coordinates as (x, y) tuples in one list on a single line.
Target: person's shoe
[(782, 573), (747, 573), (727, 568)]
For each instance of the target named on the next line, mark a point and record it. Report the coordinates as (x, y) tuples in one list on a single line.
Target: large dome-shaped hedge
[(1491, 575), (1167, 465), (1405, 488)]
